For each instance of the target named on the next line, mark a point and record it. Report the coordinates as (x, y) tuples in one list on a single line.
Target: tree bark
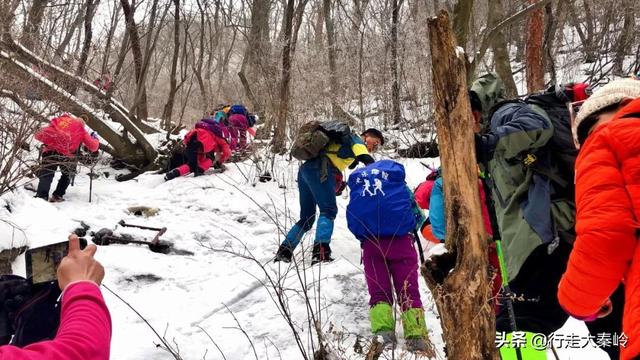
[(463, 294), (395, 77), (535, 54), (625, 39), (34, 21), (278, 143), (88, 35), (549, 37), (173, 87), (128, 10), (461, 18), (501, 49)]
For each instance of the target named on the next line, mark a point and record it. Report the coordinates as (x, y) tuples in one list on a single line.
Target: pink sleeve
[(91, 143), (84, 333)]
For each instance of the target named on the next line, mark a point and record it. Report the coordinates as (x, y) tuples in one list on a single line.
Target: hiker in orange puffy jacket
[(61, 138), (201, 142), (606, 251)]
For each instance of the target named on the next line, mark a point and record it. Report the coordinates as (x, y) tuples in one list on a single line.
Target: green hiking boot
[(381, 317), (524, 343), (413, 323)]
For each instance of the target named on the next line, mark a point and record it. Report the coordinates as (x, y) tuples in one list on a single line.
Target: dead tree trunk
[(278, 143), (535, 54), (462, 295)]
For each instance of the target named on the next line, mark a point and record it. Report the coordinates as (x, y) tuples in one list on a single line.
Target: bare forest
[(147, 65)]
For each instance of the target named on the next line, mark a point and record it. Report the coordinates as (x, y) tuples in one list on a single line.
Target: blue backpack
[(380, 204), (238, 109)]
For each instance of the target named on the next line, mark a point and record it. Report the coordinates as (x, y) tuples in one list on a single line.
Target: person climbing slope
[(327, 149), (203, 143), (61, 141)]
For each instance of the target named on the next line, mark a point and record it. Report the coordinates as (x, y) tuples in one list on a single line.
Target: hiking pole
[(420, 251), (507, 290)]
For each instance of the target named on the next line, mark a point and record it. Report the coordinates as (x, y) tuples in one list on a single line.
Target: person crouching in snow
[(205, 140), (383, 218), (61, 140), (606, 251)]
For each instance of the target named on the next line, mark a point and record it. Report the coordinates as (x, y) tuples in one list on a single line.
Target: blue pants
[(314, 192)]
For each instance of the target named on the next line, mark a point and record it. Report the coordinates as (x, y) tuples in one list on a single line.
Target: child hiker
[(383, 215)]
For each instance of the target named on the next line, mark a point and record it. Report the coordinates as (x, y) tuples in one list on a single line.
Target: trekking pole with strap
[(420, 251), (507, 290)]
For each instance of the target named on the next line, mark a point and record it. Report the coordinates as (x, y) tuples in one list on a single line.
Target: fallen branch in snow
[(243, 331), (214, 343), (165, 344)]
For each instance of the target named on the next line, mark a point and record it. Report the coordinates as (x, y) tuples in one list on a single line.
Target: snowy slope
[(184, 296)]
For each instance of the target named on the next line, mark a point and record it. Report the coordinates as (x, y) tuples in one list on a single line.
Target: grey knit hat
[(610, 94)]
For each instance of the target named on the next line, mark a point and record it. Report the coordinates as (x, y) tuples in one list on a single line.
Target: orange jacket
[(64, 135), (608, 208)]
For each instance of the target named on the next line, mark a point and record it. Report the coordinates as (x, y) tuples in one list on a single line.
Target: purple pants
[(388, 260)]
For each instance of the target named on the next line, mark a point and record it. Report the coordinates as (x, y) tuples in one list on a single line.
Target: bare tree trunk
[(463, 296), (31, 31), (168, 107), (461, 18), (334, 84), (278, 142), (625, 39), (535, 54), (112, 29), (71, 31), (501, 49), (395, 77), (549, 37), (88, 35), (128, 10)]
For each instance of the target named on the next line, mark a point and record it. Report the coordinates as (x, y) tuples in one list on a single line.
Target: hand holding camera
[(79, 265)]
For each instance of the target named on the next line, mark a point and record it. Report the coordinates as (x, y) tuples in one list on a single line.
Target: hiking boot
[(321, 253), (417, 344), (171, 175), (56, 199), (388, 337), (284, 254)]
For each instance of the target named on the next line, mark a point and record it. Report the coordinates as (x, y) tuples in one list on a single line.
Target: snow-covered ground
[(183, 297)]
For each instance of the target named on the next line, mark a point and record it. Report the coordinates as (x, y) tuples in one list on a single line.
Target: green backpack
[(314, 136)]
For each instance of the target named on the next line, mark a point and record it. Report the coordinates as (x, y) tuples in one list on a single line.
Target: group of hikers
[(210, 143), (558, 180)]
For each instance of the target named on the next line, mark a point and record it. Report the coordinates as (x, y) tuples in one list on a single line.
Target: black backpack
[(30, 312), (554, 103), (314, 136)]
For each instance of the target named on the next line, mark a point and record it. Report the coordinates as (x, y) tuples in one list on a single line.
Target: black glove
[(341, 188)]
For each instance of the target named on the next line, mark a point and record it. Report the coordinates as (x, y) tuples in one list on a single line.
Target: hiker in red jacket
[(61, 138), (85, 323), (202, 142)]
